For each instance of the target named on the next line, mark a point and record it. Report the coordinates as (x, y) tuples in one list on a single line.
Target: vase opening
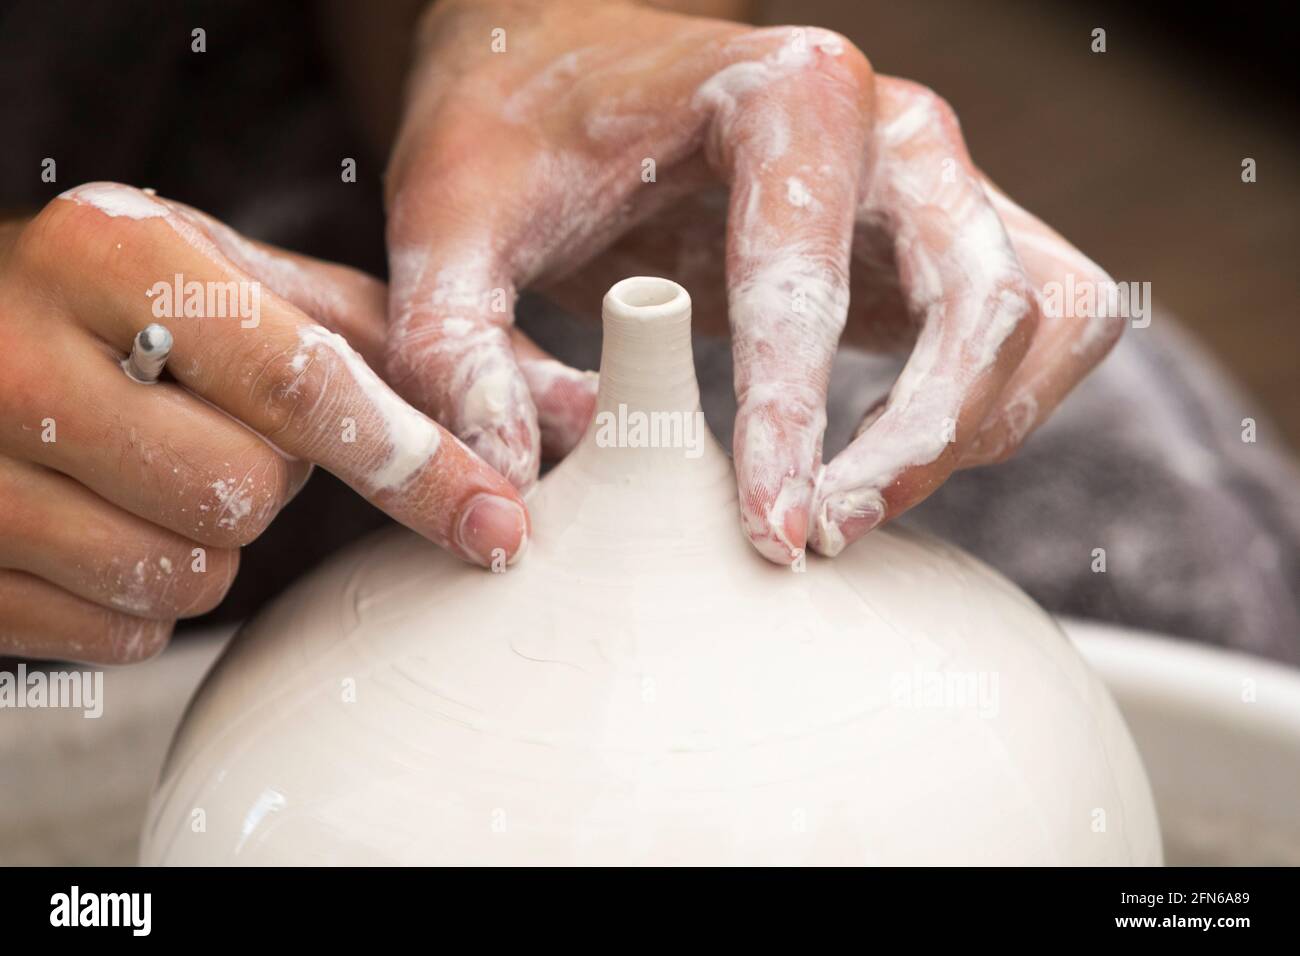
[(649, 296)]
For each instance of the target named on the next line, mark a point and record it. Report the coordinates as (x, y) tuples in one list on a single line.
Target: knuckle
[(1110, 325), (237, 506), (1020, 298), (211, 587), (941, 108), (910, 114), (19, 387), (410, 356), (27, 386), (1009, 430), (1009, 451), (66, 231), (164, 585), (128, 586), (920, 95), (1112, 330), (130, 639), (1102, 334), (19, 522), (846, 53), (1101, 326), (427, 364), (1010, 313), (49, 235), (817, 50), (290, 386), (784, 403), (941, 118), (1001, 452)]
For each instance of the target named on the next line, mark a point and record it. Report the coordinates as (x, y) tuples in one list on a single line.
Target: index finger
[(261, 360)]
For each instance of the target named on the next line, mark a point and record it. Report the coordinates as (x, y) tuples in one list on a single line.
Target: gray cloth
[(1200, 529)]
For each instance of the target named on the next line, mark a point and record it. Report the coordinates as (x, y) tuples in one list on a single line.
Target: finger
[(286, 377), (55, 529), (789, 230), (965, 286), (469, 226), (41, 620), (451, 307), (353, 304), (565, 397), (871, 415), (155, 451), (1067, 345), (342, 299)]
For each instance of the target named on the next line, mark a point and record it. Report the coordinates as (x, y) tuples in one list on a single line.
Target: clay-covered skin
[(123, 506), (598, 139), (646, 689)]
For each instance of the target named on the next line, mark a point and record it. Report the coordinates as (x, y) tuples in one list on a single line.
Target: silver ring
[(149, 352)]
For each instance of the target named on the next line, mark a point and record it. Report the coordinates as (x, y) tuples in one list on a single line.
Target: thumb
[(448, 352)]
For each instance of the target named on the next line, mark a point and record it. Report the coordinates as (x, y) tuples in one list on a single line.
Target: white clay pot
[(643, 688)]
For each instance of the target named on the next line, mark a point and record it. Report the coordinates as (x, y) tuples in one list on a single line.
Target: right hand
[(609, 139), (123, 506)]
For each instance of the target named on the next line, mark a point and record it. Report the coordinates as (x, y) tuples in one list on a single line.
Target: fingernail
[(793, 529), (493, 530), (780, 535), (845, 517)]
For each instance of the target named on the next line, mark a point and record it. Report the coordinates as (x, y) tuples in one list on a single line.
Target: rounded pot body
[(643, 688)]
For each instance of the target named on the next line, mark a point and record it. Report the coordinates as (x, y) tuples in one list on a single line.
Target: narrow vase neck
[(648, 416)]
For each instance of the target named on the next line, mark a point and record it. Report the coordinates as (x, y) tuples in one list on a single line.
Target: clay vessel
[(643, 688)]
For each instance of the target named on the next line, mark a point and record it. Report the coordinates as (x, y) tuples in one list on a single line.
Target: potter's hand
[(123, 505), (534, 134), (597, 137)]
